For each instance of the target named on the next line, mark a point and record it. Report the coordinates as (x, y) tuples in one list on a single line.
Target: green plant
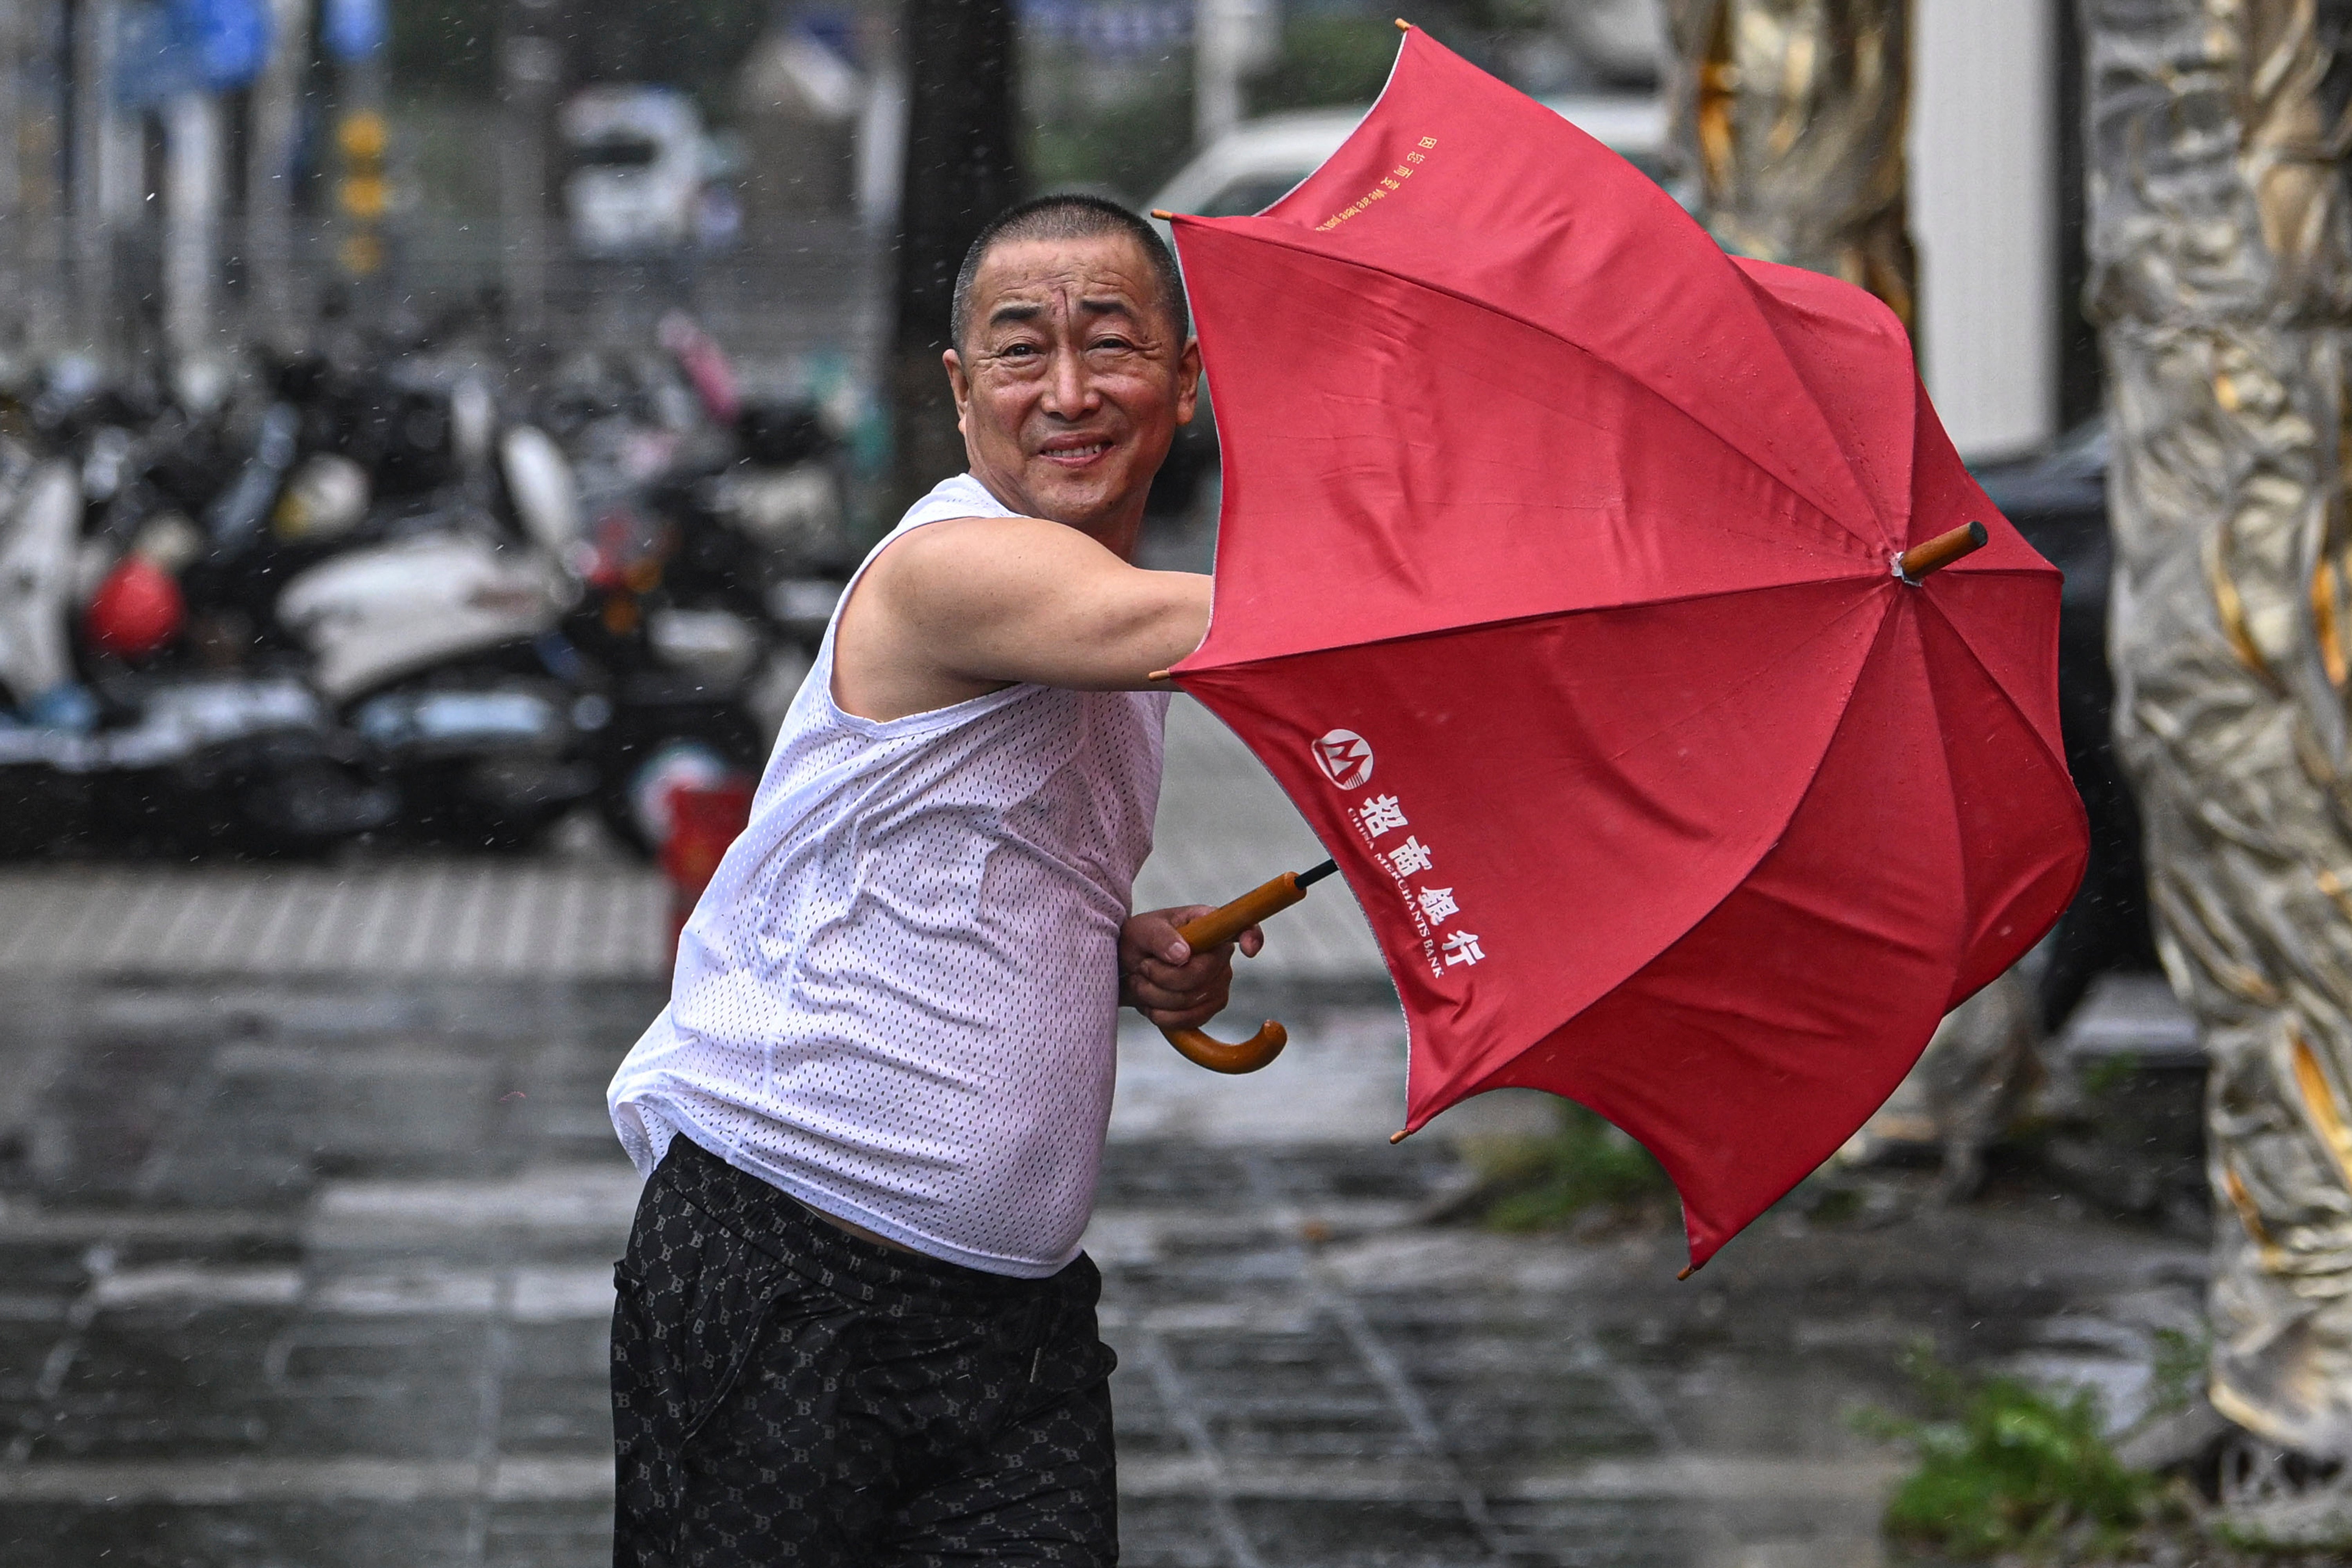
[(2007, 1469), (2109, 1073), (1536, 1182), (2178, 1373)]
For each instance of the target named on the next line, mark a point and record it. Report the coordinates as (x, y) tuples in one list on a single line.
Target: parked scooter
[(442, 650), (701, 504), (708, 585), (104, 739), (44, 717), (335, 599)]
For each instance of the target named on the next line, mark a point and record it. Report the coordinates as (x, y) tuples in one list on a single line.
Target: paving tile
[(1606, 1535), (1147, 1430), (554, 1396), (118, 1112), (239, 1536), (554, 1415), (419, 917), (1361, 1534), (1297, 1396), (1166, 1533), (547, 1535), (248, 1382)]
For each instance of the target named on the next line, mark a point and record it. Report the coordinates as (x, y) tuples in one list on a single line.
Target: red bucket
[(704, 819)]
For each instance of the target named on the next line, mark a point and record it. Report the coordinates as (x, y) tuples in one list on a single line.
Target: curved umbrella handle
[(1223, 925), (1243, 1055)]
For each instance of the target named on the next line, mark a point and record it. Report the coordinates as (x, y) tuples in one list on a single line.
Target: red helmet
[(136, 610)]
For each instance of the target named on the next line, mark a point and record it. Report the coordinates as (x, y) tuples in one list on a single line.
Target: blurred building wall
[(797, 106), (1984, 217)]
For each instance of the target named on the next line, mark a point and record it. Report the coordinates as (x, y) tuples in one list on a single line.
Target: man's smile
[(1075, 451)]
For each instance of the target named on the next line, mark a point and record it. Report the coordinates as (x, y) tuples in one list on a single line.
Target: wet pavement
[(320, 1274), (308, 1206)]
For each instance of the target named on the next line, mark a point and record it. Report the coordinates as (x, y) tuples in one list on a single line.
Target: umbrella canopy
[(1554, 586)]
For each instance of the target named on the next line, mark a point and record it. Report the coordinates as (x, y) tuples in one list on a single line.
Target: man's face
[(1071, 383)]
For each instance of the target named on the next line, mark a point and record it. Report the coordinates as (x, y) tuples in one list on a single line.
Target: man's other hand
[(1162, 977)]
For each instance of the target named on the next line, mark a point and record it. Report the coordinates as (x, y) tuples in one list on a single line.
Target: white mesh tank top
[(898, 1000)]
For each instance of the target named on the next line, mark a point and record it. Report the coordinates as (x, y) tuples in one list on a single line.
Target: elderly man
[(853, 1324)]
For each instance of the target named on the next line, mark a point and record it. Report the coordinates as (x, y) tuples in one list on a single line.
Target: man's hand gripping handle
[(1223, 925)]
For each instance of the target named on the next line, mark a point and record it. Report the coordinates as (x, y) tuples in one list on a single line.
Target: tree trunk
[(963, 167), (1789, 116), (2219, 277)]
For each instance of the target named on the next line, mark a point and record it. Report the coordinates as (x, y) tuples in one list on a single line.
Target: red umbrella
[(1556, 585)]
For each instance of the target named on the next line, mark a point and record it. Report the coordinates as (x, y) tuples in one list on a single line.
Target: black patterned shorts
[(785, 1392)]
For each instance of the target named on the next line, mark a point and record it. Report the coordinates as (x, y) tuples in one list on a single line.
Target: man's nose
[(1069, 391)]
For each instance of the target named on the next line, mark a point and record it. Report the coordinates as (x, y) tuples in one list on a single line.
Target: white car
[(1255, 164), (636, 156)]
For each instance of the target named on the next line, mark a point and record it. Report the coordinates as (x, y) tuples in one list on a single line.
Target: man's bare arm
[(965, 606), (1017, 598)]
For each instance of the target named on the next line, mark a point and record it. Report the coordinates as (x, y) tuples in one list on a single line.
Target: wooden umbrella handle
[(1223, 925), (1940, 551), (1203, 1050)]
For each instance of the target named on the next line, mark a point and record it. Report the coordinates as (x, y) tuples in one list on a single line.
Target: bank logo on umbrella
[(1345, 757)]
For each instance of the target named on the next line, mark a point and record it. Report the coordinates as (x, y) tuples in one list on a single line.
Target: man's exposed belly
[(859, 1231)]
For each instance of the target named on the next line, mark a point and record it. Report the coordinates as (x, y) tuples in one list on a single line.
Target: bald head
[(1071, 218)]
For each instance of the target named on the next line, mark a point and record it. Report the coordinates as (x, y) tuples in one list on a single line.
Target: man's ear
[(957, 383), (1188, 382)]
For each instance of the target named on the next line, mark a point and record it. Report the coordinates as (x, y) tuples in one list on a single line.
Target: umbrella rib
[(1945, 798), (1802, 492), (2053, 759)]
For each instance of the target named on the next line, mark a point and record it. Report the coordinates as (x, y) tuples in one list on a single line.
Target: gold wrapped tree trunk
[(1789, 115), (2220, 282)]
